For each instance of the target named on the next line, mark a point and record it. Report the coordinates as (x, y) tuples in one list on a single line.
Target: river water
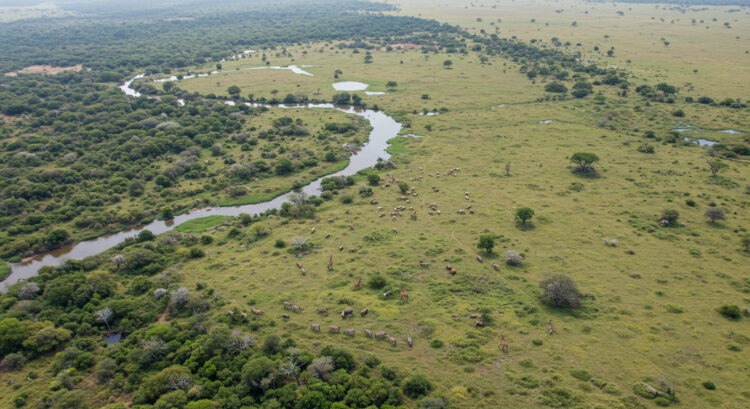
[(383, 128)]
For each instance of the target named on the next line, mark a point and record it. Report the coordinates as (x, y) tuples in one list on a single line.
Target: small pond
[(350, 86)]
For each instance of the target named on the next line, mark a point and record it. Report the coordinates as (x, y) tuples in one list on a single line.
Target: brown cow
[(322, 310), (334, 328), (256, 312), (363, 312), (347, 312), (315, 327)]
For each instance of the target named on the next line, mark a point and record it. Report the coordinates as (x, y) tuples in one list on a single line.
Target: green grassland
[(650, 303)]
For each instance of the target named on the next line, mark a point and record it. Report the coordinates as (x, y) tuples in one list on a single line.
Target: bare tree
[(103, 315), (180, 382), (239, 341), (291, 368), (560, 291), (118, 261), (513, 258), (180, 296), (28, 290), (299, 242), (321, 367)]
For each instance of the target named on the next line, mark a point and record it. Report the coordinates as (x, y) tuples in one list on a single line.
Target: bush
[(678, 113), (416, 386), (376, 282), (730, 311), (280, 244), (372, 361), (13, 362), (580, 374), (715, 213), (556, 87), (560, 291), (646, 148), (373, 179), (671, 216), (436, 343), (709, 385)]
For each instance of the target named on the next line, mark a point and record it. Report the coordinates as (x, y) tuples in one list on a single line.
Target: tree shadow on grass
[(589, 174), (528, 226)]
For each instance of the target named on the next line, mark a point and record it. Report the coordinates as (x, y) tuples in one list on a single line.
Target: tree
[(403, 187), (321, 367), (584, 160), (486, 242), (168, 86), (560, 291), (523, 214), (513, 258), (103, 315), (716, 165), (57, 237), (144, 235), (746, 241), (447, 63), (715, 213), (670, 215), (167, 212), (118, 260), (234, 91), (556, 87), (391, 85), (28, 290)]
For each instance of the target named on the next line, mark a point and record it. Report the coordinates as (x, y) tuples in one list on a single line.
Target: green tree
[(486, 242), (417, 385), (391, 85), (403, 187), (584, 160), (447, 63), (373, 179), (523, 214), (234, 91), (746, 241), (556, 87)]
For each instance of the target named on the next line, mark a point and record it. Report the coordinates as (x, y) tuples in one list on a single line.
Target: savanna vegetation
[(562, 223)]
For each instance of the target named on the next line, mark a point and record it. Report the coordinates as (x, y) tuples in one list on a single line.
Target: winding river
[(383, 128)]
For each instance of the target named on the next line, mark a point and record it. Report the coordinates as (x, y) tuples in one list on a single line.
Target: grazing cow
[(374, 201), (352, 250), (476, 316), (322, 310), (341, 248), (387, 293), (393, 219), (550, 328), (303, 271), (296, 308), (287, 305), (381, 214), (448, 267), (423, 264), (503, 344), (299, 265), (328, 235), (478, 323), (468, 207), (330, 220), (285, 316), (244, 315), (467, 197), (461, 211), (409, 340), (392, 340), (363, 312), (480, 259), (349, 331), (256, 312), (380, 334), (312, 230), (438, 212), (348, 311), (315, 327), (368, 333), (456, 317), (334, 328), (230, 312), (453, 271), (496, 267)]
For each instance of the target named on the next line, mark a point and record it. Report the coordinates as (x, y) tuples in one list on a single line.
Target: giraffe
[(503, 344), (404, 294), (550, 328), (358, 284), (330, 263)]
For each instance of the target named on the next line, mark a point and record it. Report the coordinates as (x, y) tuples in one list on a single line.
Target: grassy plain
[(650, 305)]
